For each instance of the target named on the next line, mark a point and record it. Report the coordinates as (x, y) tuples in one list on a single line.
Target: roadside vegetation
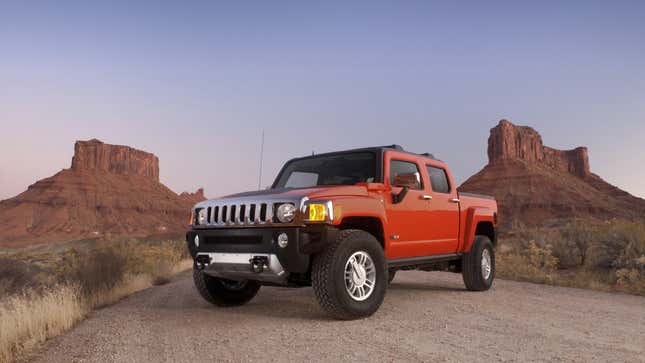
[(45, 292), (607, 257)]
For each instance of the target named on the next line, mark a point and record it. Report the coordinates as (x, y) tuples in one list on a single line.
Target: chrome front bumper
[(242, 266)]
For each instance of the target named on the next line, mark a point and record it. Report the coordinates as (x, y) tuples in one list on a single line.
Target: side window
[(405, 174), (438, 179)]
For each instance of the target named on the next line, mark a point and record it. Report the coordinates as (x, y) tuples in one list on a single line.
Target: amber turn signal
[(317, 212)]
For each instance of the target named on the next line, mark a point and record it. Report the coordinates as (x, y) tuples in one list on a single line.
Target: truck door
[(443, 212), (408, 233)]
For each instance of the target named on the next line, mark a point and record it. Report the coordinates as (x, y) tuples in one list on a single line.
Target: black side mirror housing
[(398, 198)]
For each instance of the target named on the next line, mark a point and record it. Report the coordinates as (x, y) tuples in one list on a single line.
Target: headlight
[(319, 212), (286, 212), (201, 216)]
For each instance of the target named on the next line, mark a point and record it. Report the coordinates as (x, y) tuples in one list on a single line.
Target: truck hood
[(291, 193)]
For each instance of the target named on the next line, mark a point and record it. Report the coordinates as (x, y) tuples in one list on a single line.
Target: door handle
[(426, 197), (455, 200)]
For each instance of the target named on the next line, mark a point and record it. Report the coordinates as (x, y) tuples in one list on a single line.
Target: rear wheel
[(222, 292), (478, 265), (349, 277)]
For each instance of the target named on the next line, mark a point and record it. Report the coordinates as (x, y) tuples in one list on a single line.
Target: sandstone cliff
[(116, 159), (536, 185), (110, 190)]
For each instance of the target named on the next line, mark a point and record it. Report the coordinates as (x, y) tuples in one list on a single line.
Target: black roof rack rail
[(400, 148), (393, 146)]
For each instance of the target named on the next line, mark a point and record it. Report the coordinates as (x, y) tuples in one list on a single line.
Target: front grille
[(239, 214), (246, 240)]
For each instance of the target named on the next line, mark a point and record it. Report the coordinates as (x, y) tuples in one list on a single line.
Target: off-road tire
[(328, 275), (215, 291), (391, 273), (471, 265)]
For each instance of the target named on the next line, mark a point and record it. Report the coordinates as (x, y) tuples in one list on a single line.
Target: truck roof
[(395, 147)]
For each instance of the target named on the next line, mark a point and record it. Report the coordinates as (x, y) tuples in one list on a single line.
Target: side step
[(422, 260)]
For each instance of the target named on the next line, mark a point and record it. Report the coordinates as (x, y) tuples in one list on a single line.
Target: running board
[(422, 260)]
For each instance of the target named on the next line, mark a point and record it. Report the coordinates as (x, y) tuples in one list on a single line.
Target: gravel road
[(425, 317)]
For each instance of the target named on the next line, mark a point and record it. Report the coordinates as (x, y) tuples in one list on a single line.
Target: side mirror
[(398, 198), (406, 181)]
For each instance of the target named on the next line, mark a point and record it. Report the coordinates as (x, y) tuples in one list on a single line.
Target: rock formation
[(508, 141), (536, 185), (115, 159), (110, 190), (193, 198)]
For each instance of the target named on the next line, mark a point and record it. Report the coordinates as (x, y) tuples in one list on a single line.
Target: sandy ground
[(425, 317)]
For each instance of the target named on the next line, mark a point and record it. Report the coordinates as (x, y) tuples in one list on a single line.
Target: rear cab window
[(438, 179)]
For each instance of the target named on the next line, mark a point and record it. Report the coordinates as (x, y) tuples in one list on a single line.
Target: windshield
[(341, 169)]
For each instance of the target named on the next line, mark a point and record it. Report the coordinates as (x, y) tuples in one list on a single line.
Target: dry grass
[(32, 309), (606, 257), (29, 319)]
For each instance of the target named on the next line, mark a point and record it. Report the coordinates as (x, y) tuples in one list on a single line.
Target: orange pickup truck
[(344, 223)]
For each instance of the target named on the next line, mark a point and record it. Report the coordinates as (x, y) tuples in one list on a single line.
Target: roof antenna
[(261, 157)]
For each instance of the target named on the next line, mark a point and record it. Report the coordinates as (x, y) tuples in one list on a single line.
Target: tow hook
[(259, 263), (202, 261)]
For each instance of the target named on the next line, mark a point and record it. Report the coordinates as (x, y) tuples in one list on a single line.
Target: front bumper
[(242, 266), (229, 248)]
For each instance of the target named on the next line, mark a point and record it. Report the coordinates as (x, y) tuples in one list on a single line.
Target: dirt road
[(425, 317)]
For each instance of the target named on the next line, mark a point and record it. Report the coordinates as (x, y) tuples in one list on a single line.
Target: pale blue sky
[(195, 82)]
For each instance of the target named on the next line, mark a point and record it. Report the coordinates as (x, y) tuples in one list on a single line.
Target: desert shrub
[(607, 256), (100, 270), (617, 245), (17, 275), (571, 244), (542, 258), (157, 258), (535, 263), (631, 280), (567, 253)]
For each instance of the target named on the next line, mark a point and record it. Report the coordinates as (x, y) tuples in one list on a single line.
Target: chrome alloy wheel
[(487, 265), (360, 276)]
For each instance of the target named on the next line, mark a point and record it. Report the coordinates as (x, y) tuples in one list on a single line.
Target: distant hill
[(109, 190), (538, 185)]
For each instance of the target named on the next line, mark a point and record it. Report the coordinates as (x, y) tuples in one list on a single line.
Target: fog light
[(196, 241), (283, 240)]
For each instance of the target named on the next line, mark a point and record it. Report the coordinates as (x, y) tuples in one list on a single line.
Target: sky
[(196, 82)]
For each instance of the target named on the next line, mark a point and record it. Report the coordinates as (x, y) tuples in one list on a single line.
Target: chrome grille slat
[(247, 208), (269, 214), (258, 210), (231, 215), (238, 214)]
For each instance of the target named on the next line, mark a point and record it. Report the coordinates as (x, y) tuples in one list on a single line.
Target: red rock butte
[(110, 190), (508, 141), (539, 185), (116, 159)]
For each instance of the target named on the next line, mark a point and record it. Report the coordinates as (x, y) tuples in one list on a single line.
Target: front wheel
[(349, 277), (222, 292), (478, 265)]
